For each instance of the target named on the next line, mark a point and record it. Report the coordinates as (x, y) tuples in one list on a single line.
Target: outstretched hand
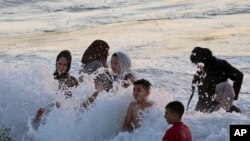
[(128, 79), (98, 86), (90, 100)]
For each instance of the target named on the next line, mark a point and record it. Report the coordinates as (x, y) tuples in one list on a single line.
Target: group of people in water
[(214, 91)]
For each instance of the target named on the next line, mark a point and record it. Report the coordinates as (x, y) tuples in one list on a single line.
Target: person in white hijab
[(120, 65), (224, 94)]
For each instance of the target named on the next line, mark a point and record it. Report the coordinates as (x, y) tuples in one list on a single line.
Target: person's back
[(179, 131), (219, 71)]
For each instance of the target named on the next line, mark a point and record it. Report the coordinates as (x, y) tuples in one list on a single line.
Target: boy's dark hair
[(145, 83), (176, 107)]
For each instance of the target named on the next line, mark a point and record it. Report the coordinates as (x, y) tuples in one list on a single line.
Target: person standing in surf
[(135, 110), (213, 71), (179, 131), (65, 80), (94, 67)]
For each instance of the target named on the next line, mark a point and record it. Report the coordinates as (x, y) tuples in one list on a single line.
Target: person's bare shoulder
[(132, 104)]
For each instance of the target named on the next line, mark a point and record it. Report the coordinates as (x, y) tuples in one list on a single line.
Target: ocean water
[(158, 35)]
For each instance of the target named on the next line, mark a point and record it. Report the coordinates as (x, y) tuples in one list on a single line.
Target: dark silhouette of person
[(212, 71)]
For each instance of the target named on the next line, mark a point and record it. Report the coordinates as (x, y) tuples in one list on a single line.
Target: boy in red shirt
[(179, 131)]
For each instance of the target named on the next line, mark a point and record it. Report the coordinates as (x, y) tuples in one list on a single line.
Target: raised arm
[(90, 100), (128, 79)]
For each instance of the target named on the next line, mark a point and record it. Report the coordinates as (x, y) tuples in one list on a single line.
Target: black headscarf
[(67, 55), (200, 54)]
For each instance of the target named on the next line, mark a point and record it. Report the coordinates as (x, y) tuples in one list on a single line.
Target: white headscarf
[(125, 64), (224, 93)]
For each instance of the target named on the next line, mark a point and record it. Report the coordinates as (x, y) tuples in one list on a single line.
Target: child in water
[(141, 92), (224, 95), (63, 63), (65, 80), (179, 131)]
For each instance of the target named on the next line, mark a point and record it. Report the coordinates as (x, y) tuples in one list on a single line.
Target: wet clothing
[(220, 71), (126, 76), (96, 71), (224, 94), (65, 80), (106, 79), (91, 67), (65, 83), (178, 132), (125, 82), (214, 72), (94, 62), (198, 81), (124, 62), (5, 133)]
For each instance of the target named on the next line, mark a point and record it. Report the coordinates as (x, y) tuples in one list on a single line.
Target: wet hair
[(114, 55), (67, 55), (144, 83), (176, 107), (97, 51), (200, 54)]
